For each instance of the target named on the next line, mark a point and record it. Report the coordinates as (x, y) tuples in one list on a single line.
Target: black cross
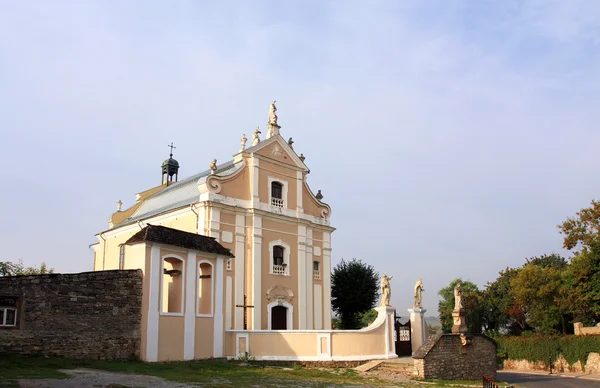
[(246, 307), (172, 146)]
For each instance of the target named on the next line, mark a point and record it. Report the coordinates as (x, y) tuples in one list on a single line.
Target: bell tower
[(170, 167)]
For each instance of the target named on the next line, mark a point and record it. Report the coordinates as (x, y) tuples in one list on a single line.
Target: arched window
[(172, 286), (205, 289), (121, 256), (276, 194)]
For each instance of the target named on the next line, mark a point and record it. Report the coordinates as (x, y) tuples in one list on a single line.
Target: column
[(240, 273), (215, 223), (153, 276), (190, 308), (218, 318), (309, 279), (418, 328), (327, 279), (301, 277), (256, 272)]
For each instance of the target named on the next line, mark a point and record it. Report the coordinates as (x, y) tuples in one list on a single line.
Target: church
[(236, 260)]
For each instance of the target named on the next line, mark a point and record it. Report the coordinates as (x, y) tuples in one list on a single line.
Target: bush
[(540, 348)]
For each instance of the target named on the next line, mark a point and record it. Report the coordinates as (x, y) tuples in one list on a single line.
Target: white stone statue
[(272, 126), (255, 137), (119, 204), (457, 297), (213, 166), (418, 294), (243, 141), (386, 290)]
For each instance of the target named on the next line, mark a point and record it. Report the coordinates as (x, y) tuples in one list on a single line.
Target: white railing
[(279, 269), (316, 274), (277, 202)]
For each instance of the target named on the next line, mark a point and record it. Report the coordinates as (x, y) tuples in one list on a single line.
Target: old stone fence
[(93, 315)]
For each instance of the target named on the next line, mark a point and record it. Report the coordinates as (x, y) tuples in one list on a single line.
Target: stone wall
[(444, 356), (95, 315), (580, 330), (592, 365)]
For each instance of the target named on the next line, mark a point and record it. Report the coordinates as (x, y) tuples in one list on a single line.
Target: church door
[(279, 318)]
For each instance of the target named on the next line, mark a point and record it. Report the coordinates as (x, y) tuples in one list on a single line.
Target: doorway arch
[(280, 315)]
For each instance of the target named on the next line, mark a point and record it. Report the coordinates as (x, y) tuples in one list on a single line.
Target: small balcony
[(279, 269), (316, 274), (277, 202)]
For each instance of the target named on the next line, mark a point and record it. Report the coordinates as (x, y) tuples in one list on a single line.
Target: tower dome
[(169, 168)]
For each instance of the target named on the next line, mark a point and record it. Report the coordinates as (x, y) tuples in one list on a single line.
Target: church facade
[(257, 205)]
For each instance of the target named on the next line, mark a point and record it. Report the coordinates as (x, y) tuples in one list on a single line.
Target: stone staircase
[(402, 366)]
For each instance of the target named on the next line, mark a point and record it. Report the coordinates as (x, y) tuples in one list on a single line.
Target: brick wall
[(444, 356), (94, 315)]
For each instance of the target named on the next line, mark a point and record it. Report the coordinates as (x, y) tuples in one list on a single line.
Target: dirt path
[(91, 378)]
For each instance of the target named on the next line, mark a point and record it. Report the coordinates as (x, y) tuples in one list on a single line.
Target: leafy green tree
[(354, 290), (8, 268), (581, 286), (582, 231), (536, 288), (472, 303), (368, 317), (500, 312)]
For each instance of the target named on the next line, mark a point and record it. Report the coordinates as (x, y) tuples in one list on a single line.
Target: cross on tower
[(172, 146), (246, 306)]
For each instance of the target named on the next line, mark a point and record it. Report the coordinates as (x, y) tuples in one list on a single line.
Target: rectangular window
[(278, 255), (121, 256), (9, 307), (316, 272), (315, 265)]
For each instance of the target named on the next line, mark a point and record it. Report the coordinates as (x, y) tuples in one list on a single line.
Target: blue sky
[(449, 137)]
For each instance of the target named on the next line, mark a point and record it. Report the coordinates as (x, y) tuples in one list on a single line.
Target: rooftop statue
[(418, 294), (212, 166), (243, 141), (386, 290), (255, 137), (458, 298)]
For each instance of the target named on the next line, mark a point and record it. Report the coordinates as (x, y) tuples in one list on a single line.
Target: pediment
[(277, 149)]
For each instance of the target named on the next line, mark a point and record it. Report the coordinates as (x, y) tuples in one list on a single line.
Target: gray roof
[(178, 195)]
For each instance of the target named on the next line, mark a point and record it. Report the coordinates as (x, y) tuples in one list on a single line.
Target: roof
[(175, 196), (179, 238)]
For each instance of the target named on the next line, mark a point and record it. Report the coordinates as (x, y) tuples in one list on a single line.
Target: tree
[(8, 268), (536, 288), (500, 312), (368, 317), (581, 286), (584, 229), (471, 300), (354, 290)]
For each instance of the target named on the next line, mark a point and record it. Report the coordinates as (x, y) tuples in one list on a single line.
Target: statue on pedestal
[(418, 294), (272, 126), (255, 138), (457, 297), (213, 166), (386, 290), (243, 141)]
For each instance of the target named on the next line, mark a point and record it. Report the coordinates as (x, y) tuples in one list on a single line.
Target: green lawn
[(213, 373)]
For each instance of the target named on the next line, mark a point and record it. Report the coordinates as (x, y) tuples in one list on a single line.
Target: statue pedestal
[(460, 323), (418, 328)]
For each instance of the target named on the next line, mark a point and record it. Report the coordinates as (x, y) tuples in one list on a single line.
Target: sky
[(449, 137)]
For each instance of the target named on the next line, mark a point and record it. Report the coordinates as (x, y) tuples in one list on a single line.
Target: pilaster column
[(190, 309), (301, 277), (309, 279), (240, 273), (215, 223), (254, 174), (256, 272), (327, 279)]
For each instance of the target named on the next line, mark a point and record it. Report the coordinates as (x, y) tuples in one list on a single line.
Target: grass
[(214, 372)]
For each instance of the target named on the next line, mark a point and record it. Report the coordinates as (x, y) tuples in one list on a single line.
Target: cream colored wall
[(109, 250), (283, 344), (238, 187), (204, 337), (283, 157), (170, 338), (145, 301)]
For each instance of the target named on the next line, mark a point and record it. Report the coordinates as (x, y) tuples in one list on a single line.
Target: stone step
[(368, 366), (404, 372), (398, 367)]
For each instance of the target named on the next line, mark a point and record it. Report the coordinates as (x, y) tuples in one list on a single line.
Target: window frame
[(284, 192), (122, 256), (16, 307), (286, 257)]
